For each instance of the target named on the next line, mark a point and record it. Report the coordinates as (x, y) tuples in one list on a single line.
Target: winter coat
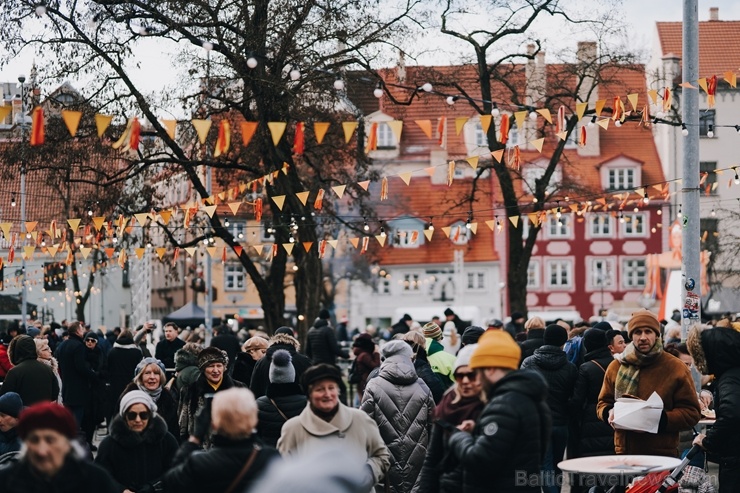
[(122, 361), (365, 362), (228, 342), (402, 406), (135, 459), (348, 428), (29, 378), (76, 476), (54, 365), (186, 365), (9, 441), (165, 352), (166, 408), (5, 364), (243, 368), (289, 398), (590, 435), (215, 469), (77, 376), (560, 375), (322, 345), (717, 352), (535, 340), (433, 381), (442, 362), (671, 379), (261, 373), (510, 436), (192, 400)]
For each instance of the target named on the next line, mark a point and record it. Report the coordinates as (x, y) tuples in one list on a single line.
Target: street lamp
[(24, 289)]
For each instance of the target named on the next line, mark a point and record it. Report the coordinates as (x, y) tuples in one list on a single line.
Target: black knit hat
[(555, 335), (603, 325), (594, 339), (285, 330), (364, 341), (318, 372), (472, 334), (324, 313)]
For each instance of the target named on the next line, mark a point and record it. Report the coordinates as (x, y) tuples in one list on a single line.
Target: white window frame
[(559, 263), (480, 138), (403, 238), (562, 232), (603, 219), (630, 219), (386, 137), (476, 281), (514, 137), (236, 226), (534, 274), (234, 272), (384, 286), (592, 271), (627, 274), (621, 179), (411, 283)]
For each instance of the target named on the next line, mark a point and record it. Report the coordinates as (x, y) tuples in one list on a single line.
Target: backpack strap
[(244, 469), (278, 409), (598, 364)]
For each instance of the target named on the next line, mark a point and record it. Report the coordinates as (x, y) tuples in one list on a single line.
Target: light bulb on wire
[(366, 226), (252, 62), (338, 84), (737, 178), (710, 131), (684, 130), (295, 73), (378, 91), (427, 87), (533, 115), (12, 200), (495, 111)]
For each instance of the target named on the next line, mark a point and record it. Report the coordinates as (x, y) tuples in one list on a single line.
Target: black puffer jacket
[(136, 459), (289, 398), (717, 352), (535, 340), (122, 361), (215, 469), (425, 372), (560, 375), (591, 436), (261, 372), (29, 378), (510, 436), (322, 345)]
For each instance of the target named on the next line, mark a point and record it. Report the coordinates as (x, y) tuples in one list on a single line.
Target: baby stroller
[(8, 458)]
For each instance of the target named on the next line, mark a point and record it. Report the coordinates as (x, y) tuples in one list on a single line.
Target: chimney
[(713, 13), (587, 56), (671, 69), (401, 67), (536, 88)]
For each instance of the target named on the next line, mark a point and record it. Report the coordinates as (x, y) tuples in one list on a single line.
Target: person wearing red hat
[(48, 431)]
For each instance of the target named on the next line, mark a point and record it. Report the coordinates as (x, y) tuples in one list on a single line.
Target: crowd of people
[(439, 407)]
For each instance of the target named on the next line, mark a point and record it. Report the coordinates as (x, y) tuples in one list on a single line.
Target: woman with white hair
[(43, 354), (138, 449)]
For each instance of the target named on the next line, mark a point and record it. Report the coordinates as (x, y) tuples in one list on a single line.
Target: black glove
[(203, 421)]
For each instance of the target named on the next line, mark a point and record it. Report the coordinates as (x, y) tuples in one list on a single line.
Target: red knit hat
[(47, 416)]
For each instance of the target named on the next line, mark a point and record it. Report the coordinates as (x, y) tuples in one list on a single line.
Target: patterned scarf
[(628, 376)]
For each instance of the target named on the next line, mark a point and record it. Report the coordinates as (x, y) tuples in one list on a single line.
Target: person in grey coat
[(402, 406)]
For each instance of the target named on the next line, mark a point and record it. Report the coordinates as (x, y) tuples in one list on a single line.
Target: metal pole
[(691, 290), (209, 287), (24, 288)]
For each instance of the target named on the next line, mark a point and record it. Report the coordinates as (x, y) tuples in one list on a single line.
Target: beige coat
[(350, 427)]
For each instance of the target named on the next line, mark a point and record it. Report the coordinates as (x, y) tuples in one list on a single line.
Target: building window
[(708, 167), (571, 142), (238, 229), (533, 172), (481, 139), (634, 224), (601, 225), (559, 227), (633, 273), (601, 273), (386, 138), (621, 178), (411, 283), (706, 122), (55, 276), (407, 238), (384, 286), (234, 277), (559, 273), (513, 139), (533, 274), (476, 281)]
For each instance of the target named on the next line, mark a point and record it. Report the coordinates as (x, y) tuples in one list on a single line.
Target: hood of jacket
[(320, 322), (21, 348), (549, 357), (283, 342), (714, 350), (153, 433), (185, 358), (398, 372), (528, 382)]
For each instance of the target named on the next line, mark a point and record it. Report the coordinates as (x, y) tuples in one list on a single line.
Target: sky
[(639, 17)]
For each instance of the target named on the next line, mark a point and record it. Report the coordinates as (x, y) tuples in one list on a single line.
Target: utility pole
[(24, 289), (689, 217), (207, 256)]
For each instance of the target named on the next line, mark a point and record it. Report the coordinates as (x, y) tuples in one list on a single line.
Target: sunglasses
[(462, 375), (132, 415)]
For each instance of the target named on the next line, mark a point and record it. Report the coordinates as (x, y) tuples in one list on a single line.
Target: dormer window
[(386, 138), (408, 232), (622, 178), (459, 234), (621, 173)]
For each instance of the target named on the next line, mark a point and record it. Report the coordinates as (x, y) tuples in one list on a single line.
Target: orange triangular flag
[(632, 98), (703, 83), (426, 127), (460, 122), (599, 106), (339, 190), (474, 228), (381, 239), (169, 126), (201, 127), (279, 201), (303, 197), (234, 206), (498, 155), (238, 249), (28, 252), (4, 112), (210, 209), (248, 129), (485, 123), (160, 252), (6, 230), (730, 77), (687, 85), (307, 245), (102, 122), (354, 241), (165, 214), (562, 135), (139, 252), (545, 114), (53, 249), (74, 224), (288, 247), (71, 120), (363, 184), (98, 222), (349, 129), (653, 93), (277, 129), (258, 248), (30, 226), (406, 177), (447, 230), (431, 170), (490, 223), (396, 127), (538, 143), (428, 234), (319, 130)]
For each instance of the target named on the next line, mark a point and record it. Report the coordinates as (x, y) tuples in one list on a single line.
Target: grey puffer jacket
[(402, 406)]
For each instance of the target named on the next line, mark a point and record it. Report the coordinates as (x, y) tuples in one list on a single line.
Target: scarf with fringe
[(628, 376)]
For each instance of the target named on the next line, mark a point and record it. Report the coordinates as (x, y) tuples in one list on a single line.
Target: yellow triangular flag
[(363, 184), (102, 122), (381, 239), (604, 123), (581, 109), (141, 218), (339, 190), (279, 201), (426, 127), (234, 206), (599, 106), (519, 116), (428, 233), (490, 223), (74, 224), (545, 114), (258, 248), (160, 252), (498, 155), (514, 220), (538, 143), (303, 197), (632, 98), (703, 83), (288, 247), (460, 122), (730, 77), (319, 130), (212, 252), (447, 230), (6, 230), (191, 251), (201, 127), (71, 120), (474, 228), (473, 161), (169, 127), (653, 93), (687, 85), (210, 209), (333, 243), (277, 129), (485, 123), (349, 129), (30, 226), (4, 112), (396, 127), (35, 235), (28, 252), (139, 252), (562, 135), (165, 214), (85, 251), (52, 250), (98, 222), (406, 177)]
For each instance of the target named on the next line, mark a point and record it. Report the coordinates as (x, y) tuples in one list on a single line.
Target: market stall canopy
[(190, 315)]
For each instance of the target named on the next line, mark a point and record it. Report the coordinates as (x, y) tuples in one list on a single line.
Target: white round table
[(622, 467)]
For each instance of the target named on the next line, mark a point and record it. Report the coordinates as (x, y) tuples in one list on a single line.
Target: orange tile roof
[(717, 45)]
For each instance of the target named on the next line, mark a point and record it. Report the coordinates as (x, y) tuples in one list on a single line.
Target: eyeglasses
[(132, 415), (463, 375)]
